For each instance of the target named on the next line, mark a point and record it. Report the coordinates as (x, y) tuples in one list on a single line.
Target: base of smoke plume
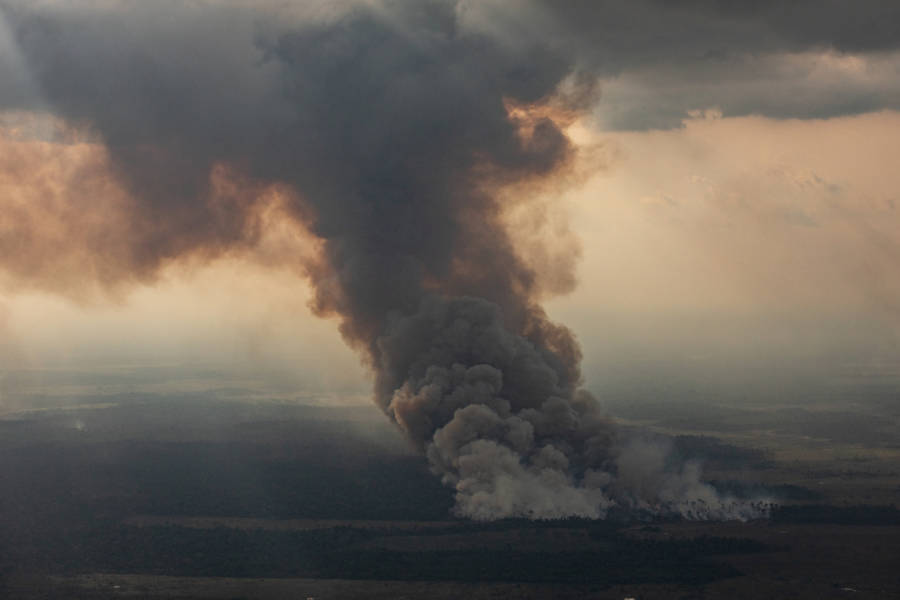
[(646, 482), (501, 421)]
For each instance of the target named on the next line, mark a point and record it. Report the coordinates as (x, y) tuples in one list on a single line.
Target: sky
[(704, 188)]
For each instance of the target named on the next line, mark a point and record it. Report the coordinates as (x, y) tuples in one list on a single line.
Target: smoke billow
[(500, 418), (392, 126)]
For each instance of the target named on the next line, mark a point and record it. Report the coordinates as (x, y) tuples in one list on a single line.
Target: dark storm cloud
[(659, 59), (847, 26), (617, 34)]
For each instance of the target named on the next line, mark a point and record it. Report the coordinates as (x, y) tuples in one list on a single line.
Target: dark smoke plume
[(393, 127)]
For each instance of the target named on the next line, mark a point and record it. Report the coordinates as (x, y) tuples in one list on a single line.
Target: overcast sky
[(732, 198)]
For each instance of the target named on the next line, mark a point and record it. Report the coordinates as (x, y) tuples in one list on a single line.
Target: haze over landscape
[(628, 262)]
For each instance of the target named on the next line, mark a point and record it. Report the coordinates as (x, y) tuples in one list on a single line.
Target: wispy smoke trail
[(392, 125)]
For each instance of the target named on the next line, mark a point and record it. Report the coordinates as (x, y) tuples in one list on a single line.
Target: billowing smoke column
[(392, 124), (500, 419)]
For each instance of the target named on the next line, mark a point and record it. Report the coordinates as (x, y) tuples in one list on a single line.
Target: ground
[(224, 494)]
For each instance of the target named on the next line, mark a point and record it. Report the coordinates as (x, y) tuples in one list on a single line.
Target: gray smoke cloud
[(391, 122), (502, 425)]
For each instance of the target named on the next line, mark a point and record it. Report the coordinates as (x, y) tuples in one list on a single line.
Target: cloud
[(809, 84), (658, 60), (737, 253), (750, 211)]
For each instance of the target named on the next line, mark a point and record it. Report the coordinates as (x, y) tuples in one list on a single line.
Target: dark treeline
[(342, 552), (838, 515)]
